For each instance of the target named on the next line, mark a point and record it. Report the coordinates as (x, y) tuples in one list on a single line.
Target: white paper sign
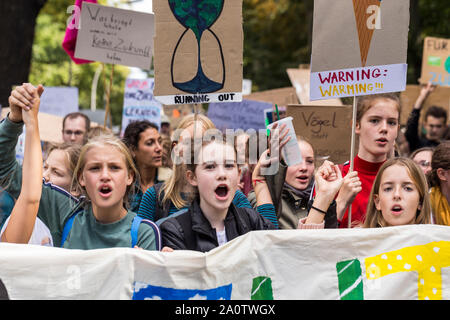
[(115, 36), (59, 101), (139, 103)]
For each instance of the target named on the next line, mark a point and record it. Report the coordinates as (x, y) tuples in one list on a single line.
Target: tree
[(17, 22)]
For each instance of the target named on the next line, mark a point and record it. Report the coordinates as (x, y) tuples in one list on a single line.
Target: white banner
[(408, 262)]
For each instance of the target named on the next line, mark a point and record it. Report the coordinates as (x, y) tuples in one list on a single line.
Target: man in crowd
[(75, 127), (435, 123)]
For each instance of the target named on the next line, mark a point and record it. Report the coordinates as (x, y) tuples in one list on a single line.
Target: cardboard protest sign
[(59, 101), (244, 115), (198, 51), (439, 97), (327, 128), (139, 103), (436, 61), (359, 47), (280, 96), (300, 81), (409, 262), (115, 36)]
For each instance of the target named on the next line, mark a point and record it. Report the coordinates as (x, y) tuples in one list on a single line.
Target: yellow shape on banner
[(426, 259)]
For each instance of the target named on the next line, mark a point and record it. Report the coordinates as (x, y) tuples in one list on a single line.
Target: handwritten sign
[(300, 81), (243, 115), (59, 101), (327, 128), (436, 61), (198, 51), (115, 36), (139, 103), (280, 96), (359, 47)]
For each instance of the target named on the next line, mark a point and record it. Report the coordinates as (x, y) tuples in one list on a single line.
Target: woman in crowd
[(104, 174), (212, 219), (145, 143), (439, 179), (399, 196), (377, 125), (422, 157)]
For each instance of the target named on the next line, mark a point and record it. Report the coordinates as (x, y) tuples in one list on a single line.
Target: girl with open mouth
[(212, 219), (377, 126), (399, 196), (104, 174)]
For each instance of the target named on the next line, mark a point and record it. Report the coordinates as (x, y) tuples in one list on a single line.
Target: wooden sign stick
[(352, 154)]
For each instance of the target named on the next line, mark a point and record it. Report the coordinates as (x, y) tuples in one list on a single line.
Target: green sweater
[(57, 205)]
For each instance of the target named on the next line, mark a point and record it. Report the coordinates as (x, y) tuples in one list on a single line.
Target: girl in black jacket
[(212, 219)]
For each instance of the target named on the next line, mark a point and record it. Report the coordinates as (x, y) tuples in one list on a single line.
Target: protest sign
[(139, 103), (406, 262), (280, 96), (359, 47), (300, 81), (59, 101), (115, 36), (327, 128), (436, 61), (198, 51), (439, 97), (244, 115)]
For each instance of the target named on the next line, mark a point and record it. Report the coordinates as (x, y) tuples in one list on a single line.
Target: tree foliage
[(51, 66)]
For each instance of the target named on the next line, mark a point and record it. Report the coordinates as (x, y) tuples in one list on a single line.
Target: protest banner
[(326, 128), (139, 103), (244, 115), (300, 81), (436, 61), (59, 101), (439, 97), (406, 262), (359, 47), (198, 51), (115, 36)]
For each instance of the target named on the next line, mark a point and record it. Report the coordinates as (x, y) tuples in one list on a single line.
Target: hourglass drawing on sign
[(198, 16)]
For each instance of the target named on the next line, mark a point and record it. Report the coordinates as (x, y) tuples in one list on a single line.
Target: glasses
[(424, 163), (70, 132)]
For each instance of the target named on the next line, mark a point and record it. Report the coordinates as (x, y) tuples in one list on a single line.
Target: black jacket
[(192, 231)]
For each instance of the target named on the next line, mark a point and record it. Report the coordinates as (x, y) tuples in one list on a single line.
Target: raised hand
[(350, 188), (22, 98)]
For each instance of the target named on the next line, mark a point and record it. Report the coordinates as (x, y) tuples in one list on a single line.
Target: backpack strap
[(68, 226), (135, 228)]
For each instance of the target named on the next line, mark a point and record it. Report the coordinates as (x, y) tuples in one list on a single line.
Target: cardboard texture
[(300, 81), (359, 47), (327, 128), (439, 97), (436, 61), (115, 36), (176, 50), (335, 35), (280, 96)]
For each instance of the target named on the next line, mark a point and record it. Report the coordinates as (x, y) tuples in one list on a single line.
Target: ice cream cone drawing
[(364, 14)]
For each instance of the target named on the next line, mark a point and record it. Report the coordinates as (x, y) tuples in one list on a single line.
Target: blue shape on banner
[(144, 291)]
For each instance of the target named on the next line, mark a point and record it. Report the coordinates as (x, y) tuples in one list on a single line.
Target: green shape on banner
[(434, 61), (262, 289), (447, 64), (350, 280)]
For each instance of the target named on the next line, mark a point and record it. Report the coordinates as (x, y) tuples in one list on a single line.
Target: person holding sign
[(435, 122), (399, 196), (377, 125)]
